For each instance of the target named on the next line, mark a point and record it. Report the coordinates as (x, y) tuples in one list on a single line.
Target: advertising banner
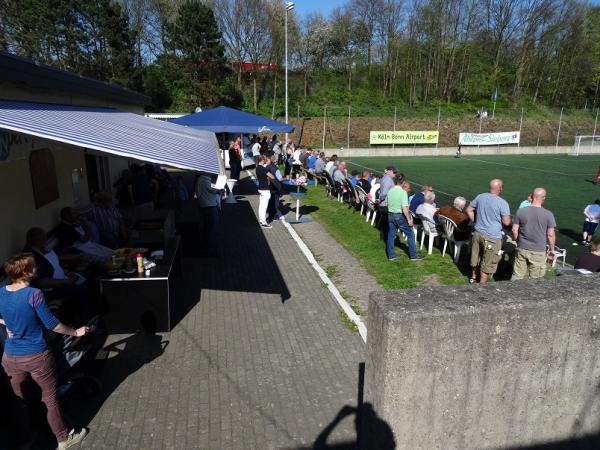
[(404, 137), (510, 137)]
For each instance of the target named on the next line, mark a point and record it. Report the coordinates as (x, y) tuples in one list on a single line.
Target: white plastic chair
[(372, 205), (449, 226), (559, 253), (429, 229), (416, 226)]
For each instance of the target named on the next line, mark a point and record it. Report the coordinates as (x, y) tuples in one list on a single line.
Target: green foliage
[(90, 38), (157, 87), (331, 271), (193, 69)]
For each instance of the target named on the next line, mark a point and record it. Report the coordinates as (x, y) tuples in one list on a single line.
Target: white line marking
[(526, 168), (550, 157), (355, 318)]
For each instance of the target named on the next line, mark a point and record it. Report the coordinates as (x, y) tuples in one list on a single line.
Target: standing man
[(235, 160), (399, 218), (256, 150), (592, 217), (533, 226), (209, 201), (492, 213), (387, 183)]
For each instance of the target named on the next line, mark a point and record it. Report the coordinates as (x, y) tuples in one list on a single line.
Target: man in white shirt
[(256, 150), (427, 209), (592, 217)]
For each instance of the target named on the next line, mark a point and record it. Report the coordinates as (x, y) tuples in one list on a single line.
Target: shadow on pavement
[(372, 432), (113, 365)]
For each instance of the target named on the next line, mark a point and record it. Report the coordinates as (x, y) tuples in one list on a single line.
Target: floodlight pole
[(438, 125), (324, 119), (395, 113), (349, 118), (288, 7), (559, 124), (520, 128), (595, 126)]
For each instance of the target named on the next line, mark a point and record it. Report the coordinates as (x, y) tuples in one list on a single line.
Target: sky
[(305, 7)]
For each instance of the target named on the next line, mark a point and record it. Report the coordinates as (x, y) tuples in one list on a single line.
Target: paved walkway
[(260, 360)]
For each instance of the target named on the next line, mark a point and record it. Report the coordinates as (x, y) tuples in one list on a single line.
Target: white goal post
[(585, 145)]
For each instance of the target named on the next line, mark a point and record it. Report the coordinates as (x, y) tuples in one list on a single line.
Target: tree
[(195, 61)]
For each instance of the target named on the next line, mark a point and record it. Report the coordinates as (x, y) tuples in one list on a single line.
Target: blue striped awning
[(116, 132)]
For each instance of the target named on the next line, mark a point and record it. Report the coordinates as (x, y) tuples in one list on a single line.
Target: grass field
[(568, 180)]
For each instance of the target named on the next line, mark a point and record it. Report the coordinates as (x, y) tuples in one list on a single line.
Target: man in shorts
[(533, 228), (592, 217), (489, 212)]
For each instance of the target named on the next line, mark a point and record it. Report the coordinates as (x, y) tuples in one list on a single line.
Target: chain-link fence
[(350, 127)]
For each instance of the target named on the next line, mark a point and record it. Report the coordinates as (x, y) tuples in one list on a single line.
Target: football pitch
[(568, 180)]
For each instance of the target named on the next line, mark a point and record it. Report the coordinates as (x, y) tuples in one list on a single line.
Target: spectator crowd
[(520, 245)]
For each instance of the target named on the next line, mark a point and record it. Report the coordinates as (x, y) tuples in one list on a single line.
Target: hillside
[(535, 131)]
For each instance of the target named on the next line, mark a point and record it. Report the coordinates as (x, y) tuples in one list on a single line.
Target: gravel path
[(351, 278)]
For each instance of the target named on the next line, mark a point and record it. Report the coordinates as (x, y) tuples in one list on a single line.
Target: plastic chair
[(417, 226), (449, 226), (559, 253), (429, 229), (329, 184), (362, 197), (350, 194), (372, 206)]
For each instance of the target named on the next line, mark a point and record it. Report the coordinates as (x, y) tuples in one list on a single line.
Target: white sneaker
[(74, 437)]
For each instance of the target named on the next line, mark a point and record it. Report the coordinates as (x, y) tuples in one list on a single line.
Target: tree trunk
[(254, 92), (274, 95), (305, 83), (350, 77)]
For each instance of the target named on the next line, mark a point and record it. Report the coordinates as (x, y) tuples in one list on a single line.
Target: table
[(130, 296), (298, 195)]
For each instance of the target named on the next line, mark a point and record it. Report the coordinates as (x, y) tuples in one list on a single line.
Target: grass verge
[(363, 241)]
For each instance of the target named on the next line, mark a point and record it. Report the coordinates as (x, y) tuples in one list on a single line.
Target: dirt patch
[(431, 280), (534, 132)]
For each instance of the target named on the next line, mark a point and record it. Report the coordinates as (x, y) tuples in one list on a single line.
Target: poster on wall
[(403, 137), (510, 137), (13, 146)]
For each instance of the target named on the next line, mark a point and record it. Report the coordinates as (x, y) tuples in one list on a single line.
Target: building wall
[(18, 207), (9, 91)]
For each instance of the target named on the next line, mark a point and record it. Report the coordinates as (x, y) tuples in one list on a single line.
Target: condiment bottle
[(140, 262)]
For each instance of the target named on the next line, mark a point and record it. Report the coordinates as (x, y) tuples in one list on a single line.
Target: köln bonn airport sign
[(404, 137)]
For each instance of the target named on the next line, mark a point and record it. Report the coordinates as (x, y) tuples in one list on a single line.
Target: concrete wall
[(509, 364), (446, 151), (18, 207)]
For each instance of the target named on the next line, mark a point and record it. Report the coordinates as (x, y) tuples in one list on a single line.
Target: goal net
[(585, 145)]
